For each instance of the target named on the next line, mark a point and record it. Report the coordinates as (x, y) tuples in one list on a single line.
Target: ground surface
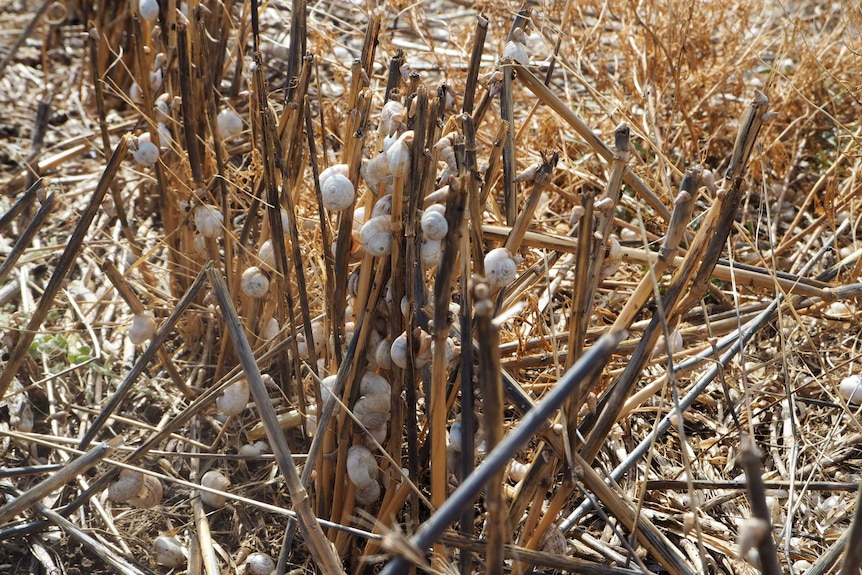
[(681, 74)]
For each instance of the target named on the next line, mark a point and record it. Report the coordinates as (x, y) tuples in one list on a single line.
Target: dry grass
[(766, 279)]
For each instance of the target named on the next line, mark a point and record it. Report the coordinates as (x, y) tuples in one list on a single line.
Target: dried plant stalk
[(749, 460), (318, 545), (690, 277), (550, 99), (496, 460), (492, 409), (455, 207)]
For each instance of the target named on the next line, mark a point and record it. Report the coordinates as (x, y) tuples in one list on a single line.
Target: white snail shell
[(376, 172), (150, 494), (228, 124), (430, 252), (126, 486), (373, 384), (382, 355), (149, 10), (517, 471), (342, 169), (208, 221), (271, 329), (398, 156), (266, 254), (165, 136), (254, 282), (250, 450), (383, 206), (372, 411), (515, 48), (375, 403), (214, 480), (319, 338), (147, 153), (169, 551), (163, 109), (143, 327), (398, 351), (362, 470), (455, 435), (434, 225), (358, 217), (676, 344), (500, 268), (135, 488), (326, 385), (234, 399), (850, 389), (614, 259), (391, 117), (259, 564), (376, 236), (337, 192), (447, 152), (368, 494)]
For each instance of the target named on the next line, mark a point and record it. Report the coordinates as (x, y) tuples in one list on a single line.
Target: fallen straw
[(68, 472)]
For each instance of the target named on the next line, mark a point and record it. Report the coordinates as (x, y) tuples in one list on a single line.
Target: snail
[(149, 10), (375, 402), (271, 329), (392, 118), (434, 224), (382, 354), (214, 480), (143, 327), (169, 551), (319, 339), (146, 153), (208, 221), (376, 173), (254, 282), (163, 109), (165, 136), (362, 470), (376, 236), (336, 191), (234, 398), (383, 207), (398, 155), (136, 489), (254, 449), (500, 268), (228, 124), (266, 254), (614, 259), (850, 389), (430, 252), (259, 564), (326, 386), (398, 351), (447, 151), (675, 346), (516, 49)]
